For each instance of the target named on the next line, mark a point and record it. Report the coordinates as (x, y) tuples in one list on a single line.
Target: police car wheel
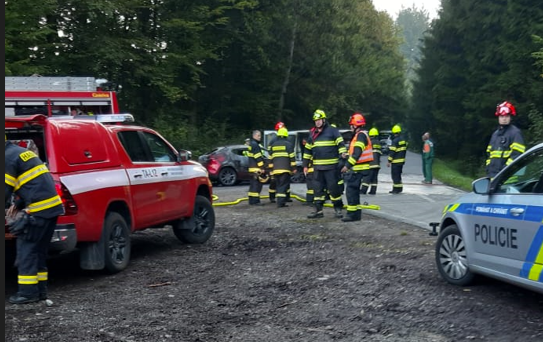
[(228, 176), (116, 235), (451, 257), (199, 228)]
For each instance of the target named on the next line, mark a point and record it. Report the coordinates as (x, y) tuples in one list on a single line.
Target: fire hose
[(215, 198)]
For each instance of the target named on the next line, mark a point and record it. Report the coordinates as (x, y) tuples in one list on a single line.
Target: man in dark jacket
[(506, 143), (256, 167), (324, 148), (37, 206)]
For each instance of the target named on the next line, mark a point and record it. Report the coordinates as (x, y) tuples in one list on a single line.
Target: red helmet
[(279, 125), (505, 108), (357, 120)]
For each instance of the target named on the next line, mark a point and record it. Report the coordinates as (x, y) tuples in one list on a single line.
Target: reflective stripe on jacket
[(28, 177), (397, 150), (360, 152), (505, 145), (324, 148)]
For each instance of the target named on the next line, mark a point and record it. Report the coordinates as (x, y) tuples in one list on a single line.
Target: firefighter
[(272, 189), (323, 149), (396, 159), (284, 164), (357, 166), (506, 143), (37, 207), (371, 180), (256, 167), (309, 182)]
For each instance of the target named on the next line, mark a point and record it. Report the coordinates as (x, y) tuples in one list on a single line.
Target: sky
[(393, 7)]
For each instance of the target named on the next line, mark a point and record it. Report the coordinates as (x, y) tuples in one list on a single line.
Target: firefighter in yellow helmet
[(357, 166), (284, 164), (396, 159), (371, 180), (324, 148)]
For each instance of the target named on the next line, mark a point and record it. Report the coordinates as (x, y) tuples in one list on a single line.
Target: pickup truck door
[(155, 190)]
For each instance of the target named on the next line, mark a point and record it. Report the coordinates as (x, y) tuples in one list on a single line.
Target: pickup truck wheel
[(198, 228), (117, 243)]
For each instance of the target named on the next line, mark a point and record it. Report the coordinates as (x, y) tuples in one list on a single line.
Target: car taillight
[(70, 207), (213, 166)]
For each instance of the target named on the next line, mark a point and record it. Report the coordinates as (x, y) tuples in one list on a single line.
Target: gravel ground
[(271, 274)]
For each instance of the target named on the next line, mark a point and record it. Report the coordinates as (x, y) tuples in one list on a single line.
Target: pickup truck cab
[(115, 179)]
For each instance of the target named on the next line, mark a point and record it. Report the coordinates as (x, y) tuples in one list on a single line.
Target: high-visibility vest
[(367, 154)]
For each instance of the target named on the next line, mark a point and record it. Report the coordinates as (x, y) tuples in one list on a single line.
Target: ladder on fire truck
[(60, 83)]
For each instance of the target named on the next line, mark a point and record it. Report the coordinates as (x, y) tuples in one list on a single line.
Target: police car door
[(509, 233)]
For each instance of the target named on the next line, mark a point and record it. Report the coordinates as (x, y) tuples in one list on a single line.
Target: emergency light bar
[(106, 118)]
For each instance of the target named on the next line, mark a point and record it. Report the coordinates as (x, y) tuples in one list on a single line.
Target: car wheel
[(228, 176), (451, 257), (117, 243), (198, 228)]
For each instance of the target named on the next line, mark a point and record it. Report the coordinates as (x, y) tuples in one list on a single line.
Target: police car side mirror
[(481, 186), (184, 155)]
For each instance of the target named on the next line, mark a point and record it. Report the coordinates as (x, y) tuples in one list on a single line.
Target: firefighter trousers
[(31, 262), (352, 183), (327, 179), (396, 174)]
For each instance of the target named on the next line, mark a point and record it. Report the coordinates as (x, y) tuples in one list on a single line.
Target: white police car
[(497, 229)]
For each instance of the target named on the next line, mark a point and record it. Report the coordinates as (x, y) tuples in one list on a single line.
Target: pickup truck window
[(160, 151), (134, 146)]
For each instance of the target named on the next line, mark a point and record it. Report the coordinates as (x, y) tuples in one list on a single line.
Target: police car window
[(523, 177), (160, 151)]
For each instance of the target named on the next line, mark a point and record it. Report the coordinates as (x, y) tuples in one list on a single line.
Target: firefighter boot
[(337, 210), (373, 190), (353, 216), (364, 189), (272, 197), (317, 213)]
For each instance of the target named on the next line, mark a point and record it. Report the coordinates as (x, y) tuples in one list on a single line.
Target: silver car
[(497, 229)]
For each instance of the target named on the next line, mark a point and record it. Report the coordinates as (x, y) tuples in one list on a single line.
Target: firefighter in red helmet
[(357, 166), (506, 143)]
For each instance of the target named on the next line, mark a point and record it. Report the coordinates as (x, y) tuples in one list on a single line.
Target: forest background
[(207, 72)]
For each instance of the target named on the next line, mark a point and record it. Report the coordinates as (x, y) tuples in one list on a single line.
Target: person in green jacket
[(427, 158)]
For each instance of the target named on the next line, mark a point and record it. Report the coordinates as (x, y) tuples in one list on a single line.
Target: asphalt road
[(418, 205)]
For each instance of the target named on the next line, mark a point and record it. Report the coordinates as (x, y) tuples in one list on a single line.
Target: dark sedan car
[(227, 165)]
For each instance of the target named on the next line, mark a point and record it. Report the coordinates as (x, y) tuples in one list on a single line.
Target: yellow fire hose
[(365, 205)]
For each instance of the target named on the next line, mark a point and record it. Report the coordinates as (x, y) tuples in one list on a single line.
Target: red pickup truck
[(114, 179)]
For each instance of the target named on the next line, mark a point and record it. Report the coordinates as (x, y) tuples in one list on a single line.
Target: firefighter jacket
[(28, 177), (323, 148), (256, 156), (377, 152), (282, 156), (360, 152), (397, 150), (505, 145)]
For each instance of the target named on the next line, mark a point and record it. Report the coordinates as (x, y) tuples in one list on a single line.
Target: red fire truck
[(58, 96)]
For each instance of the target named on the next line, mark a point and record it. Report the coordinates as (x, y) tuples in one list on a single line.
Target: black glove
[(19, 226)]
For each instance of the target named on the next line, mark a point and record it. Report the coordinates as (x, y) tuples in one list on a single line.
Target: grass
[(448, 174)]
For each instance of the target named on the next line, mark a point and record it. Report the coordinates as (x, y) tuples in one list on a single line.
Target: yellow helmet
[(373, 132), (396, 129), (282, 132), (319, 114)]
